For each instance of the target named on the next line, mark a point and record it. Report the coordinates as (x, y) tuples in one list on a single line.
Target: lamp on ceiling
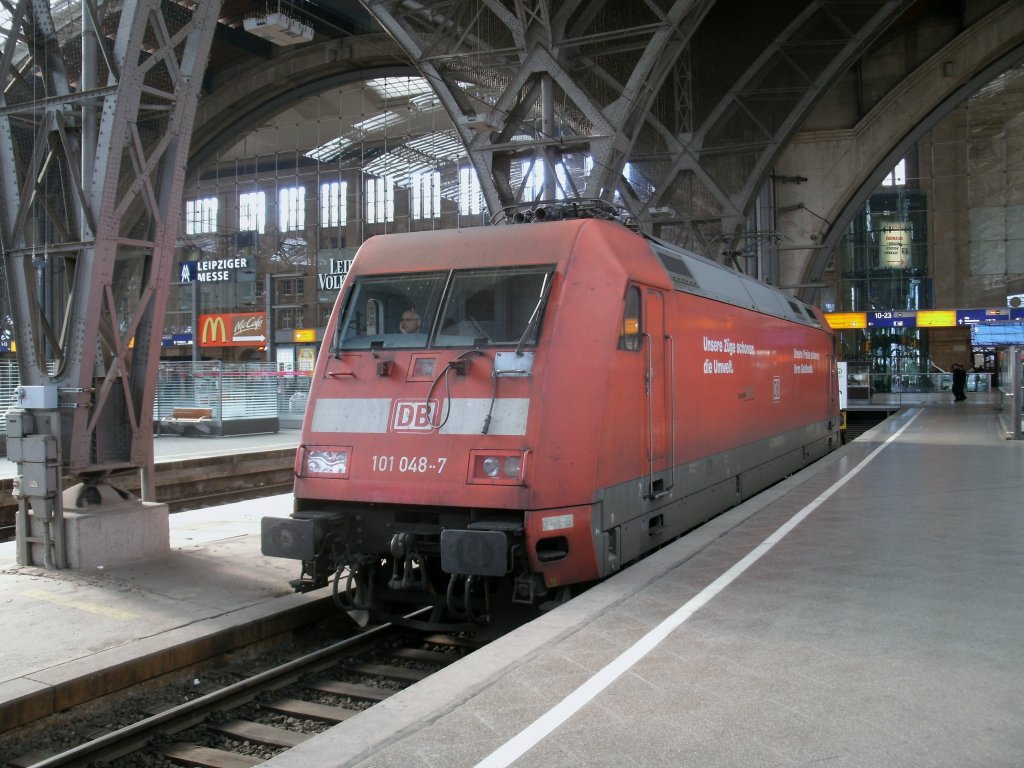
[(279, 28)]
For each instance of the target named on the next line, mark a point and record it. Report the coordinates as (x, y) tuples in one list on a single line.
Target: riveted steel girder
[(509, 76), (92, 159), (618, 81), (732, 149)]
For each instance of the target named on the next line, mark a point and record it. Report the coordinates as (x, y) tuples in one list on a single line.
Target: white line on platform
[(520, 744)]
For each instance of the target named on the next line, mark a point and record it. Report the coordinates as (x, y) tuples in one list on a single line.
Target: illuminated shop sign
[(210, 270), (235, 329), (894, 247), (177, 340)]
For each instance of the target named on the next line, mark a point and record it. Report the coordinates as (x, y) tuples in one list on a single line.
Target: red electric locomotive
[(534, 406)]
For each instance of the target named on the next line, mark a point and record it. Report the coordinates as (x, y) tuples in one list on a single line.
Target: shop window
[(334, 204), (201, 216), (252, 212), (286, 319), (291, 208)]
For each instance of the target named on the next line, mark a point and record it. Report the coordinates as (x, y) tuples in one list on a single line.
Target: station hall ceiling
[(679, 109)]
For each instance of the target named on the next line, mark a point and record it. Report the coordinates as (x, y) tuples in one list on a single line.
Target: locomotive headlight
[(497, 467), (513, 466), (324, 461)]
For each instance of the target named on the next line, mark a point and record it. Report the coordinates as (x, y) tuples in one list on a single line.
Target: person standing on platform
[(959, 383)]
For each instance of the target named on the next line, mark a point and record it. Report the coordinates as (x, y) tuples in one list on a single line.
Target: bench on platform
[(199, 419)]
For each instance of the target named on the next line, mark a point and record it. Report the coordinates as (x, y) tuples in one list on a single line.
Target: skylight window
[(443, 146), (426, 102), (400, 87), (377, 122), (330, 150), (418, 155), (5, 23)]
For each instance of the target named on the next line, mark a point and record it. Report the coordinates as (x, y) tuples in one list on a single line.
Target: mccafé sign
[(235, 329)]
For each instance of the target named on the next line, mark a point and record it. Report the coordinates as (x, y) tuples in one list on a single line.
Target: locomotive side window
[(630, 336)]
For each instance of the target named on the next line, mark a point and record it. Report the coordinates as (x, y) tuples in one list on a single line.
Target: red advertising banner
[(236, 329)]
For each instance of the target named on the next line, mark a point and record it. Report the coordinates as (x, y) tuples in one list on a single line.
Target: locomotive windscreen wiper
[(545, 289)]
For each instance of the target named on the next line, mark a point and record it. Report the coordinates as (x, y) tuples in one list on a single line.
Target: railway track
[(193, 483), (253, 719)]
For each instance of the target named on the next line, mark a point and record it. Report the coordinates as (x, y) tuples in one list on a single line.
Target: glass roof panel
[(377, 122), (400, 87), (329, 150)]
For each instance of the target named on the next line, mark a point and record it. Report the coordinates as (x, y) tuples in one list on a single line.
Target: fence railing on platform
[(217, 398)]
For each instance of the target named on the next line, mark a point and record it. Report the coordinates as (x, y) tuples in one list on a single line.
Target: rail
[(134, 737)]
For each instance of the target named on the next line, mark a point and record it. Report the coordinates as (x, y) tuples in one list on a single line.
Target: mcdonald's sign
[(239, 329), (214, 332)]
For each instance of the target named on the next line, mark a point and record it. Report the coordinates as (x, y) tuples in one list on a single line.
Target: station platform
[(167, 448), (864, 612), (70, 636)]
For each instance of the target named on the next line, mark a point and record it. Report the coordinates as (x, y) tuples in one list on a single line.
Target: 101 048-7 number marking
[(414, 464)]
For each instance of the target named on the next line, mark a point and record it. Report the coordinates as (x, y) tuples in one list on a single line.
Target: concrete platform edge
[(48, 691)]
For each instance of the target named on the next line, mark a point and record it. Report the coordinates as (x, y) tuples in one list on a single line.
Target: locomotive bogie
[(574, 396)]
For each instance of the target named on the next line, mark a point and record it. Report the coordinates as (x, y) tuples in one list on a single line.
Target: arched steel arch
[(886, 134), (241, 99)]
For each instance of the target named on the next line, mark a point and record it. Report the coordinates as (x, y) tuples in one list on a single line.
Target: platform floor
[(865, 612), (66, 636)]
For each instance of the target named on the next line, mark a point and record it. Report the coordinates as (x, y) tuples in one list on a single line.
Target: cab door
[(658, 393)]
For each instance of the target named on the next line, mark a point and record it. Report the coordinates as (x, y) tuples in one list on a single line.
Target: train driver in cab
[(410, 321)]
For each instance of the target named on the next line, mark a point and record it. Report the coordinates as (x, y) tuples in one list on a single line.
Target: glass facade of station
[(943, 230), (882, 265), (270, 227)]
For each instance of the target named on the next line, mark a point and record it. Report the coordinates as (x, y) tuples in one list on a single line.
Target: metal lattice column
[(91, 195)]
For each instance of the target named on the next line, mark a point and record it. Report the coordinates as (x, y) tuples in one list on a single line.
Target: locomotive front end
[(412, 473)]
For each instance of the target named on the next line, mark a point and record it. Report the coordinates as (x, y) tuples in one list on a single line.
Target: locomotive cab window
[(463, 308), (494, 307), (630, 335), (390, 311)]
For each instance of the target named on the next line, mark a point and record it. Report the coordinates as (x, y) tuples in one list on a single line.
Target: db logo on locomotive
[(413, 415)]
